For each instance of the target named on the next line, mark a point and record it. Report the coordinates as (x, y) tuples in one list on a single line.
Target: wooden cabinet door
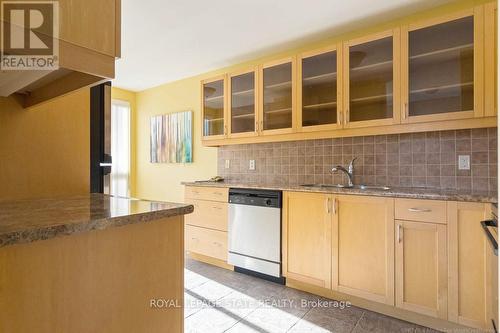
[(213, 107), (363, 247), (442, 76), (242, 116), (371, 80), (319, 105), (490, 59), (421, 278), (468, 291), (306, 238), (277, 97)]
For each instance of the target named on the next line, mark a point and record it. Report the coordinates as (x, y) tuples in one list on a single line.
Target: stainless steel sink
[(361, 187)]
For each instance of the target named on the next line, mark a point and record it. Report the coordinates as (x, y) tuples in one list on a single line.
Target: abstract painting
[(172, 138)]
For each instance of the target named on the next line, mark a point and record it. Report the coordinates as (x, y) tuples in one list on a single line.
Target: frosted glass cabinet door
[(440, 71), (277, 98), (213, 109), (242, 103), (371, 75), (318, 91)]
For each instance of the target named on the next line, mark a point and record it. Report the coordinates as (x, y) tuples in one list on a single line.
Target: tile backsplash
[(428, 159)]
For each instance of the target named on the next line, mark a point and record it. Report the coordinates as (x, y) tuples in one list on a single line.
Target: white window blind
[(120, 148)]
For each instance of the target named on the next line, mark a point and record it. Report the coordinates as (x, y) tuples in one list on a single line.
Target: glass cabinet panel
[(277, 97), (371, 80), (441, 68), (243, 103), (319, 89), (213, 108)]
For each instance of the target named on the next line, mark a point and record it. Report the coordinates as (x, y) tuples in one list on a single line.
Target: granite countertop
[(23, 221), (396, 192)]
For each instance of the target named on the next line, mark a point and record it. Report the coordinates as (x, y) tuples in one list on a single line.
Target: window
[(120, 148)]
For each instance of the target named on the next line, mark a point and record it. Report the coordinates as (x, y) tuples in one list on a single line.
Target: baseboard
[(210, 260), (434, 323)]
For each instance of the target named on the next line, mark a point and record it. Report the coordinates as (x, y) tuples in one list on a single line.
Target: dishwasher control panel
[(252, 197)]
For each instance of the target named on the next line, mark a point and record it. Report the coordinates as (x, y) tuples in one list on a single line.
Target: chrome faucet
[(349, 171)]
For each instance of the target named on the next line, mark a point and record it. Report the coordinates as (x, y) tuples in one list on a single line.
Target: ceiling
[(167, 40)]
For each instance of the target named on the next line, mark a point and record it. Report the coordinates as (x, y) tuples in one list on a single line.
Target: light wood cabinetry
[(371, 80), (421, 210), (421, 278), (433, 74), (277, 98), (243, 99), (363, 247), (443, 73), (206, 227), (319, 91), (88, 43), (468, 248), (306, 237), (213, 106)]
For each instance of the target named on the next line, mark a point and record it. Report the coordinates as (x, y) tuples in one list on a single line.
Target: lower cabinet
[(469, 292), (421, 268), (306, 237), (208, 242), (363, 247)]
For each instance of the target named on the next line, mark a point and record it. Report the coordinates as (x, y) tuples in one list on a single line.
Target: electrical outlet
[(463, 162), (251, 166), (226, 164)]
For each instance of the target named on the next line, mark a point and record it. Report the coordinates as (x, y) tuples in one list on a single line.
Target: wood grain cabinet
[(371, 80), (443, 73), (490, 59), (89, 42), (277, 98), (469, 291), (214, 115), (306, 237), (319, 90), (363, 247), (206, 227), (421, 266), (243, 100)]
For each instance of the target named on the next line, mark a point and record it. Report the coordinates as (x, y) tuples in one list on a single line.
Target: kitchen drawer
[(433, 211), (208, 242), (206, 193), (208, 214)]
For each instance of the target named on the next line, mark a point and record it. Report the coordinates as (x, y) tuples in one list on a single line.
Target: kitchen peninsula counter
[(91, 263)]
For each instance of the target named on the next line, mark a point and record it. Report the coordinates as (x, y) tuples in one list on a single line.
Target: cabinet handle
[(400, 233), (194, 238), (225, 129), (216, 207), (334, 206), (327, 203), (420, 210), (340, 118), (346, 116), (256, 126), (261, 125), (405, 110), (216, 244)]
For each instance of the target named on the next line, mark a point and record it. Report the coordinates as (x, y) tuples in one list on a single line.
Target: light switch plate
[(226, 164), (251, 166), (463, 162)]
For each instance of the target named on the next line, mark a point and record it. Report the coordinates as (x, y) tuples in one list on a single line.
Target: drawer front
[(208, 214), (208, 242), (433, 211), (219, 194)]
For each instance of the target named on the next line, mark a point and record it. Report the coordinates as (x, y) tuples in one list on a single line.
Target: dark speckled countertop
[(396, 192), (23, 221)]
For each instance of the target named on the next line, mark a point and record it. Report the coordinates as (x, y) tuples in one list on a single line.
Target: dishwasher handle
[(485, 225)]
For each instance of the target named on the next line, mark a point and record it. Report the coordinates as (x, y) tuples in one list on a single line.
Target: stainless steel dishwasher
[(255, 233)]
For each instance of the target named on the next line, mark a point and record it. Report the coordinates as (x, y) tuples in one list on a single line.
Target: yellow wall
[(45, 150), (162, 181)]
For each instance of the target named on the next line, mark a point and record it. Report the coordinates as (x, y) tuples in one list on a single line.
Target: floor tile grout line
[(360, 317), (309, 310)]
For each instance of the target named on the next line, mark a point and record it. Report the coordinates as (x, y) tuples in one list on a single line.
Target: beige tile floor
[(218, 300)]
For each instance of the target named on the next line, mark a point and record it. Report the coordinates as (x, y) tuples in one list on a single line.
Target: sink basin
[(361, 187)]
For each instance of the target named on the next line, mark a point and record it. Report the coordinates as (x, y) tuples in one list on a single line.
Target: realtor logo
[(29, 35)]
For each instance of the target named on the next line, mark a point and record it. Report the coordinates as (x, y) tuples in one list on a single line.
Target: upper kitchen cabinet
[(371, 80), (319, 90), (490, 59), (443, 68), (88, 42), (214, 108), (277, 98), (243, 101)]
